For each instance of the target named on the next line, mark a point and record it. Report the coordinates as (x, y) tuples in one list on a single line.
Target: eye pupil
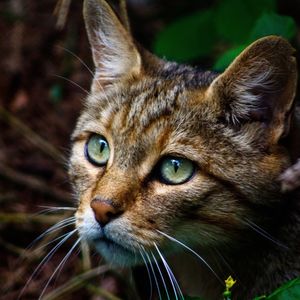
[(102, 145), (176, 165)]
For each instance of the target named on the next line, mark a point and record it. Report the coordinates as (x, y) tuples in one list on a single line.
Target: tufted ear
[(114, 53), (259, 86)]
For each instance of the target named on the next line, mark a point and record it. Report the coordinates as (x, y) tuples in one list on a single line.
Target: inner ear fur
[(114, 52), (259, 86)]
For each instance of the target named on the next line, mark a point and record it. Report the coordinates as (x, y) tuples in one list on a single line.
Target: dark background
[(38, 109)]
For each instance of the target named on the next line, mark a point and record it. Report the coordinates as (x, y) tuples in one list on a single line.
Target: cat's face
[(162, 150)]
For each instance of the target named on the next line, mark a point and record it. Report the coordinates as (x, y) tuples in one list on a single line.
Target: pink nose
[(104, 211)]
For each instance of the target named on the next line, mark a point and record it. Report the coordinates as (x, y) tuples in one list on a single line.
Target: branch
[(26, 218), (30, 135), (61, 11), (33, 183), (77, 282)]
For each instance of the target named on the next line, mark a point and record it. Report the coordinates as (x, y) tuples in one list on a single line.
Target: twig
[(32, 183), (7, 197), (30, 135), (77, 282), (28, 255), (14, 59), (86, 257), (29, 218), (61, 11), (101, 292), (12, 248)]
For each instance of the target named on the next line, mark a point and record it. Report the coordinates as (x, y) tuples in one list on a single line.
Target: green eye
[(175, 170), (97, 150)]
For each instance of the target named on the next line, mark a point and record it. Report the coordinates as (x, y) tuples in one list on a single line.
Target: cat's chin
[(115, 254)]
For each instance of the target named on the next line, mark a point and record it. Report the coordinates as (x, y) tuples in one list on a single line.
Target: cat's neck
[(275, 253)]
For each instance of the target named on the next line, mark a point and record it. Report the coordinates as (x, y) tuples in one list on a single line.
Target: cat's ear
[(114, 53), (259, 86)]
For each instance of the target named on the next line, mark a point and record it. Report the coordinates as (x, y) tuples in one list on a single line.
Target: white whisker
[(51, 242), (59, 225), (80, 60), (148, 271), (57, 208), (153, 272), (74, 83), (263, 233), (76, 253), (192, 251), (52, 209), (61, 264), (224, 261), (46, 259), (173, 280), (161, 275)]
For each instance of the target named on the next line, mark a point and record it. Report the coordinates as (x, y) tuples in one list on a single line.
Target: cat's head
[(163, 149)]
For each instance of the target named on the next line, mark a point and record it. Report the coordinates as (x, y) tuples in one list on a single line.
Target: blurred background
[(43, 81)]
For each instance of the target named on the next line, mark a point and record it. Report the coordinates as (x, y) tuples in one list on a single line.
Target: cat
[(181, 166)]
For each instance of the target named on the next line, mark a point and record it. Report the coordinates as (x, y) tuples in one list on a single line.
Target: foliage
[(225, 28), (288, 291)]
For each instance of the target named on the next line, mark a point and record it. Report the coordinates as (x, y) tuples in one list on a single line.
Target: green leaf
[(288, 291), (272, 23), (235, 18), (188, 38), (227, 57)]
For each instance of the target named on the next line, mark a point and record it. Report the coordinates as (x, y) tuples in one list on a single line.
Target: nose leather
[(104, 210)]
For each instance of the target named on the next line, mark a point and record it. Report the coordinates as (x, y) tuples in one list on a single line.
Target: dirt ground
[(42, 86)]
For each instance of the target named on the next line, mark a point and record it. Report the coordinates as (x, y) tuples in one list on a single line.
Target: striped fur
[(220, 122)]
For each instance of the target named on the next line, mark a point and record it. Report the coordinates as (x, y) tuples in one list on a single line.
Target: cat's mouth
[(114, 252), (108, 243)]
